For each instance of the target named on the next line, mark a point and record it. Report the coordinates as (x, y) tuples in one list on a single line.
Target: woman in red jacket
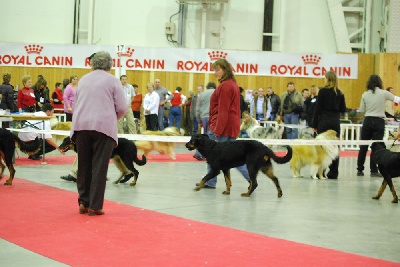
[(26, 96), (224, 121)]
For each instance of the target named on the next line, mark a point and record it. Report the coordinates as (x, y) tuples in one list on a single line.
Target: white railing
[(348, 132)]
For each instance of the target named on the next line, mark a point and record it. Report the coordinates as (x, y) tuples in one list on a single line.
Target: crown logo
[(129, 51), (215, 55), (33, 49), (311, 59)]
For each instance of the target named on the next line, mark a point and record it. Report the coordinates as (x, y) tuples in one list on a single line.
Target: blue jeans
[(161, 118), (195, 126), (204, 121), (259, 116), (291, 118), (175, 112), (242, 169), (272, 117)]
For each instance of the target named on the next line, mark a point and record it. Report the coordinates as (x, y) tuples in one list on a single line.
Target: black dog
[(7, 148), (226, 155), (388, 165), (123, 157)]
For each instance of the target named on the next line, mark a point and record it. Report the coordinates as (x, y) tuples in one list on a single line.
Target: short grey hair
[(101, 61)]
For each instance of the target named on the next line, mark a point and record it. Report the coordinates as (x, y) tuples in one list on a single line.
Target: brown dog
[(7, 148), (161, 147)]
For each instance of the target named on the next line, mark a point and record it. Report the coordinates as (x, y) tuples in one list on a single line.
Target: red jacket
[(225, 110), (26, 98)]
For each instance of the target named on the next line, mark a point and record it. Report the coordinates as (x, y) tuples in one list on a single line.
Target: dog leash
[(393, 144)]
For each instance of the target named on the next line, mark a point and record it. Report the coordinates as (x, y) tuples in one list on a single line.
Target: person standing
[(275, 102), (7, 97), (203, 112), (40, 92), (331, 102), (129, 94), (193, 106), (310, 104), (26, 97), (136, 102), (373, 106), (99, 103), (258, 105), (57, 96), (292, 102), (224, 120), (151, 105), (69, 97), (164, 96), (175, 111)]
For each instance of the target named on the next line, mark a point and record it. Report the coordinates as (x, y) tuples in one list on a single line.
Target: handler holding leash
[(224, 120)]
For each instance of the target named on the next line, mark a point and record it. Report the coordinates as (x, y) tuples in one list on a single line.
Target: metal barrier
[(350, 131), (269, 123), (61, 117)]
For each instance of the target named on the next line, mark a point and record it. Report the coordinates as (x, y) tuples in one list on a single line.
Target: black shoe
[(376, 174), (34, 157), (69, 178), (331, 176), (206, 186), (360, 173), (126, 178)]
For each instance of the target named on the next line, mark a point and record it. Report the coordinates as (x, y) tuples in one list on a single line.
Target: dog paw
[(280, 194), (116, 182), (314, 177), (132, 184), (226, 192), (396, 200), (245, 195), (376, 197)]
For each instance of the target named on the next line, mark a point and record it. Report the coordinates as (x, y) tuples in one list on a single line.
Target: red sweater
[(176, 101), (137, 102), (225, 109), (26, 98)]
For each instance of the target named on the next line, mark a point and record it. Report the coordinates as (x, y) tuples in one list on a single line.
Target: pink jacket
[(99, 103)]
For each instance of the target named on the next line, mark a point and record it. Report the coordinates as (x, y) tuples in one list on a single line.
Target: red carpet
[(45, 220), (23, 160)]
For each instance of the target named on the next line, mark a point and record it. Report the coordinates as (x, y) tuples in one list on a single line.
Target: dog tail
[(28, 147), (284, 159), (140, 162)]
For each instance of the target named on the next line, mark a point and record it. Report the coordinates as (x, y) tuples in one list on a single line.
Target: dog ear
[(206, 135)]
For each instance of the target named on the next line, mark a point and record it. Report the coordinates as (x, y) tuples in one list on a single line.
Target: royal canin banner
[(128, 57)]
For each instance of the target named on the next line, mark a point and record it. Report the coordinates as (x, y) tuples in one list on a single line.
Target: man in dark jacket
[(275, 103), (7, 96)]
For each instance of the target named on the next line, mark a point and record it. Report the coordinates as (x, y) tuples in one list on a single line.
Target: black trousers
[(151, 122), (94, 152), (373, 129), (330, 122), (47, 148)]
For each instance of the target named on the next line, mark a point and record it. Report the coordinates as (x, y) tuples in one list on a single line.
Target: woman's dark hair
[(373, 82)]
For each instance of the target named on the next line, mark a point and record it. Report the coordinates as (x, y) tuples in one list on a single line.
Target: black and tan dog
[(388, 165), (226, 155), (123, 157), (7, 148)]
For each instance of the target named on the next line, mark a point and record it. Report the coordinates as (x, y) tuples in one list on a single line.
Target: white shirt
[(151, 102), (129, 92), (31, 124)]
